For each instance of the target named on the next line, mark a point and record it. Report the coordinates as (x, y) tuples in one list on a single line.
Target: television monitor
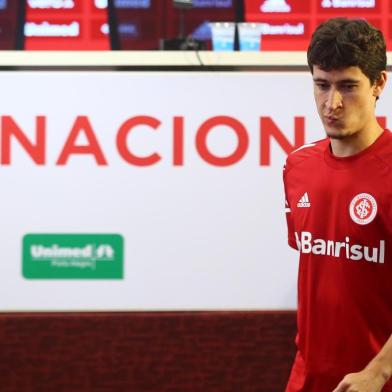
[(136, 24), (196, 20), (288, 24), (143, 24), (66, 25)]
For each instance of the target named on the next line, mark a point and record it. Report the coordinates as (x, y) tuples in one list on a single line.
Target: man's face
[(345, 100)]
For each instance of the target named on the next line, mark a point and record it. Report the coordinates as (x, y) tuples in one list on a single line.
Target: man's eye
[(349, 87), (322, 86)]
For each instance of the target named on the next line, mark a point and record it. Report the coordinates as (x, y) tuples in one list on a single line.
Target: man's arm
[(375, 375)]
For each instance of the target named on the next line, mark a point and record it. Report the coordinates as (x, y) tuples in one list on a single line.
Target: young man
[(339, 215)]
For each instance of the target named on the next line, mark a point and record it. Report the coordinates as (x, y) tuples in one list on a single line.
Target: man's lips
[(331, 119)]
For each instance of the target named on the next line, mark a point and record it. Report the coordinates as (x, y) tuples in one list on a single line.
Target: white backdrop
[(196, 236)]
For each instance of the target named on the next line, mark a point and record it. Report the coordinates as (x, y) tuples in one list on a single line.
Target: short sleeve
[(289, 217)]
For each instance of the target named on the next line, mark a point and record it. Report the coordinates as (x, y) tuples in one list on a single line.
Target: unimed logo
[(72, 256)]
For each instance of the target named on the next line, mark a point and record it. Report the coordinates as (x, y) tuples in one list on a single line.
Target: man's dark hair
[(341, 42)]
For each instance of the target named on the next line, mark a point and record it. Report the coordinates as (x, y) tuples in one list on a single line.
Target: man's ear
[(379, 84)]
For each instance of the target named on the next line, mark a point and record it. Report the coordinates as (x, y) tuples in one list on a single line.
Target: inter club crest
[(363, 208)]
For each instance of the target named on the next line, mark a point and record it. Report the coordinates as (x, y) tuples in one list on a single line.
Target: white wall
[(197, 236)]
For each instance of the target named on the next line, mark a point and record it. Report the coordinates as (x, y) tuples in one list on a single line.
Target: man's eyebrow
[(319, 80), (349, 80)]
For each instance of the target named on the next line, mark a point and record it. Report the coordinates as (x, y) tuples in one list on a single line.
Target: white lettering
[(382, 251), (348, 4), (355, 252), (306, 238), (330, 248), (338, 246), (347, 248), (373, 257), (39, 251), (57, 4), (319, 247), (132, 3), (285, 29), (102, 252), (46, 29)]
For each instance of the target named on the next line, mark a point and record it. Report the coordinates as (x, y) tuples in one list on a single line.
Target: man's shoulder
[(306, 152), (385, 151)]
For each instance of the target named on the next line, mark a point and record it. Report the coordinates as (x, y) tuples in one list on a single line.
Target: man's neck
[(356, 143)]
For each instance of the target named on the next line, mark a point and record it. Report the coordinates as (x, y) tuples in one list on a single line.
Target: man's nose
[(334, 100)]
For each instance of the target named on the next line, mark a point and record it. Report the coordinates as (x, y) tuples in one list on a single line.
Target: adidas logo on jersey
[(304, 201)]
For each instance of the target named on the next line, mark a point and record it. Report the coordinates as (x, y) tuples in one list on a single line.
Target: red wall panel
[(179, 351)]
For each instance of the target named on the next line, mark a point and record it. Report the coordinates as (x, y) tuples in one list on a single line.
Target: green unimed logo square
[(73, 256)]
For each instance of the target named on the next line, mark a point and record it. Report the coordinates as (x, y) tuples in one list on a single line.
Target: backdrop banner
[(150, 191)]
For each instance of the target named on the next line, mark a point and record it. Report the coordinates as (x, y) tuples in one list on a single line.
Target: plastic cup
[(222, 36), (250, 36)]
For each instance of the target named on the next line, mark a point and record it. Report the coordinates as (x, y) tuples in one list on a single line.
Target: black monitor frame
[(20, 24)]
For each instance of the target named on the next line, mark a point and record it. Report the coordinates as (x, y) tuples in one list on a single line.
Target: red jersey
[(339, 215)]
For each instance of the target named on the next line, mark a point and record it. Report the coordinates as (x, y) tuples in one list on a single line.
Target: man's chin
[(336, 133), (336, 136)]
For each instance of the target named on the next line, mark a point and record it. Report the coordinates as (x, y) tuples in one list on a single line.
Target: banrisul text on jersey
[(340, 249)]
